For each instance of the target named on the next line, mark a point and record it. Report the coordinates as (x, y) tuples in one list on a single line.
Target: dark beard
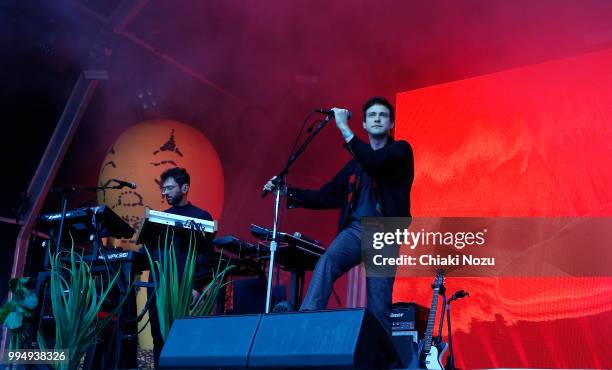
[(175, 200)]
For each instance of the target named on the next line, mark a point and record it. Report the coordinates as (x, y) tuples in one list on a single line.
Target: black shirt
[(390, 167), (367, 203), (203, 245), (189, 210)]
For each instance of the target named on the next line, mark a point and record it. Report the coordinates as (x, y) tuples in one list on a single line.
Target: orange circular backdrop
[(142, 153)]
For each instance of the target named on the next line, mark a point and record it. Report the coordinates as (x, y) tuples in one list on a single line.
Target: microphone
[(124, 184), (459, 294), (330, 112), (65, 189)]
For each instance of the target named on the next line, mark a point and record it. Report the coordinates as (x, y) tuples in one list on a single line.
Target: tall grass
[(173, 293), (76, 302)]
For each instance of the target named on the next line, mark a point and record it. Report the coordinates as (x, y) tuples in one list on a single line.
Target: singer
[(376, 182)]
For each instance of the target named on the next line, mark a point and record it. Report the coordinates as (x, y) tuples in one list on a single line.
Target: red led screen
[(532, 141)]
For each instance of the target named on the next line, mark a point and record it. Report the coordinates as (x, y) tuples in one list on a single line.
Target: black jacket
[(391, 169)]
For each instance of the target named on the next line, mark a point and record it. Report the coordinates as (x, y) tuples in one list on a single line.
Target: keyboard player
[(175, 184)]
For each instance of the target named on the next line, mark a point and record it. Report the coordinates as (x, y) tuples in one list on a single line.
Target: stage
[(483, 125)]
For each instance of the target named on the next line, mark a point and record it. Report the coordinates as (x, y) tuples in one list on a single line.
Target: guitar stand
[(450, 360), (443, 294)]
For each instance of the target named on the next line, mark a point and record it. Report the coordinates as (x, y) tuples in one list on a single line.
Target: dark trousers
[(158, 340), (343, 254)]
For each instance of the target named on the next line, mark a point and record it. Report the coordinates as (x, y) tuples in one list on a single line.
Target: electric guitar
[(430, 356)]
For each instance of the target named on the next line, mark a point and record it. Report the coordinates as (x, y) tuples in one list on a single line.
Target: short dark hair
[(179, 175), (381, 101)]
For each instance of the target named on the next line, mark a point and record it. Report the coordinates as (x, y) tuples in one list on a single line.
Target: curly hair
[(179, 175)]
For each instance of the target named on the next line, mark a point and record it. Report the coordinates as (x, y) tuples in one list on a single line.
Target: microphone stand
[(443, 294), (450, 360), (279, 182), (65, 195)]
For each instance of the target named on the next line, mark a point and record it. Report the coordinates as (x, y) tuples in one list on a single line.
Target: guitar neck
[(431, 320)]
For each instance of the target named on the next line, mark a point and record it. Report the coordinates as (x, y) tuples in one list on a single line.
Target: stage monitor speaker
[(209, 342), (334, 339)]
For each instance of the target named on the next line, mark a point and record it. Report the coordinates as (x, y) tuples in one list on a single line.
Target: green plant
[(76, 302), (173, 295), (15, 313)]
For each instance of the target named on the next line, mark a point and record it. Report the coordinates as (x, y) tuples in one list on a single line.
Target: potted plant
[(76, 302), (16, 312), (173, 295)]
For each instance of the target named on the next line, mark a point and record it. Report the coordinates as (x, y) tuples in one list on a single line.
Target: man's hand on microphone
[(341, 117), (271, 186)]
